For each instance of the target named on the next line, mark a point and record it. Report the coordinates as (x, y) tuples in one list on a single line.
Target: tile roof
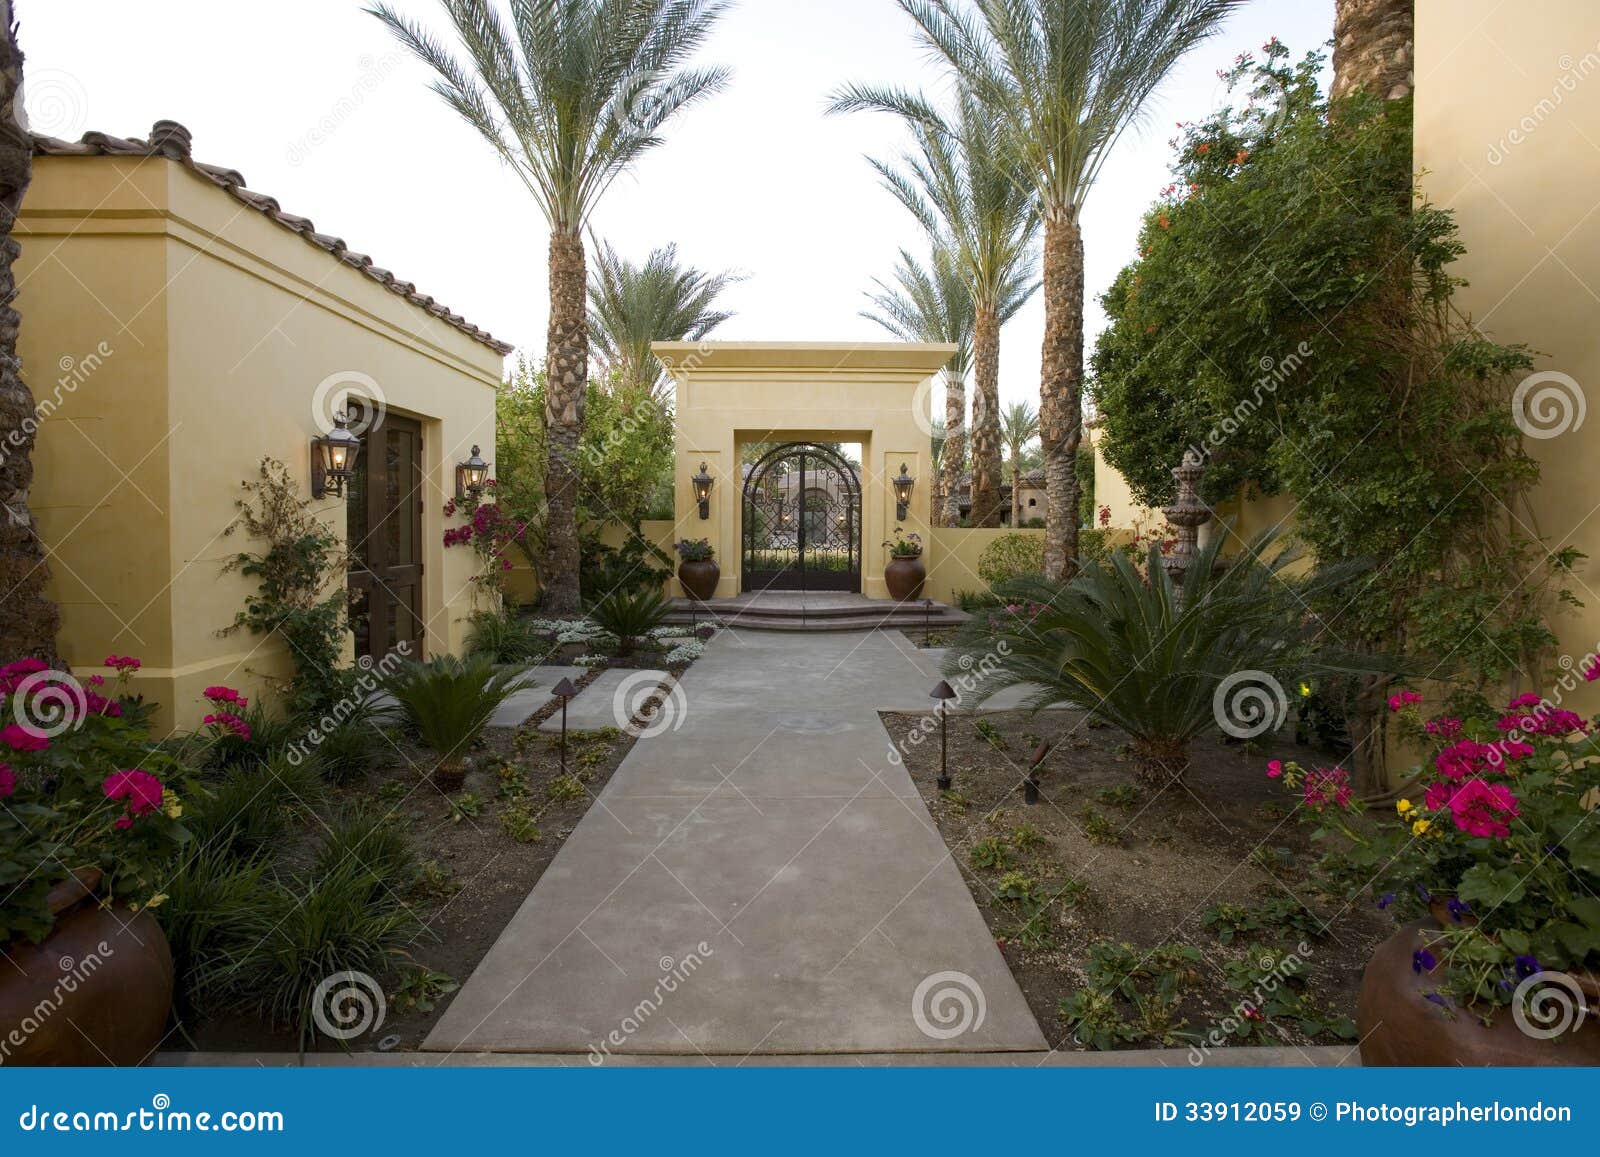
[(171, 140)]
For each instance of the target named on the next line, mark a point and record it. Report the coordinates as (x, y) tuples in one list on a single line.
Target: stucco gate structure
[(732, 396)]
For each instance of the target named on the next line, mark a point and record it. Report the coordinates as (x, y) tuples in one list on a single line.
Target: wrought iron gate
[(802, 521)]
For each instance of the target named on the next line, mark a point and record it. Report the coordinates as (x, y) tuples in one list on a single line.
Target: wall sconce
[(333, 459), (902, 493), (702, 490), (470, 476)]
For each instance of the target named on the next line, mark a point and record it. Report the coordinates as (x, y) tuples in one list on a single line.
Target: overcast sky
[(314, 103)]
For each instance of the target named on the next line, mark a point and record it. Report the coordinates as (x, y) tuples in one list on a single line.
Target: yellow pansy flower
[(1402, 806), (1421, 827)]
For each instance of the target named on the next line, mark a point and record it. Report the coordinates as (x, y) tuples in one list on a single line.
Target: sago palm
[(632, 305), (967, 192), (1061, 81), (1121, 644), (569, 94), (1019, 425), (931, 303)]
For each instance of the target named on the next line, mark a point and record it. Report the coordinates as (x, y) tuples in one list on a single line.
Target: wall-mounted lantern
[(333, 459), (902, 492), (702, 490), (470, 476)]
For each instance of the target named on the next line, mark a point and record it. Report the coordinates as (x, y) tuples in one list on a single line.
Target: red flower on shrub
[(226, 695), (1326, 786), (140, 789), (122, 664), (12, 674), (228, 721), (20, 738)]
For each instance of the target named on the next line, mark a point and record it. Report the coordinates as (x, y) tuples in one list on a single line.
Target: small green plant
[(518, 821), (1025, 836), (466, 806), (1274, 985), (564, 788), (630, 617), (1150, 985), (1099, 828), (991, 734), (955, 801), (1095, 1021), (505, 636), (435, 881), (419, 989), (694, 549), (1122, 795), (1274, 918), (207, 898), (991, 854), (1016, 887), (448, 701), (348, 752)]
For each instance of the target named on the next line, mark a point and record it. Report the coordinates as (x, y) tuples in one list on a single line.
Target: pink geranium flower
[(1274, 768), (1481, 809), (20, 738), (1326, 786), (229, 722), (122, 664), (140, 789), (226, 695)]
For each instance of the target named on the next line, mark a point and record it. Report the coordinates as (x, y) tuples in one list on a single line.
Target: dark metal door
[(384, 511), (802, 521)]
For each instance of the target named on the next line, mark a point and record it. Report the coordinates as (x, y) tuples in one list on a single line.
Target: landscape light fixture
[(927, 620), (333, 458), (470, 476), (702, 490), (564, 691), (902, 492), (944, 693), (1030, 786)]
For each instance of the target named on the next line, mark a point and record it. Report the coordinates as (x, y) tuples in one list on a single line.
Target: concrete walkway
[(758, 877)]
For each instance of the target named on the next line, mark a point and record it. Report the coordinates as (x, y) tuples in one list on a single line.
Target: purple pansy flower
[(1423, 961)]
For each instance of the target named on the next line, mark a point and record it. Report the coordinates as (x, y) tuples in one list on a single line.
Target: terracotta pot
[(904, 577), (96, 991), (699, 579), (1400, 1026)]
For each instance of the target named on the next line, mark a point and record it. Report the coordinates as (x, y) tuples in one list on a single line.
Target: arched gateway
[(802, 521)]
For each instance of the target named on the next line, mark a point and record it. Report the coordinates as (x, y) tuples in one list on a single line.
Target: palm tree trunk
[(1061, 389), (955, 447), (566, 384), (29, 624), (1016, 487), (986, 418), (1374, 47)]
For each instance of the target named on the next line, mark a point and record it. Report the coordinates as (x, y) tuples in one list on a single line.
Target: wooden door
[(384, 508)]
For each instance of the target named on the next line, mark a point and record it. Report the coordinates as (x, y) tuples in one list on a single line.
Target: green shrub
[(369, 841), (448, 701), (631, 616), (992, 854), (506, 637), (209, 901), (971, 601), (308, 930), (249, 808), (348, 751), (1011, 556)]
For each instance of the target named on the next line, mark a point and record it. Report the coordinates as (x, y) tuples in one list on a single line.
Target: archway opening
[(802, 519)]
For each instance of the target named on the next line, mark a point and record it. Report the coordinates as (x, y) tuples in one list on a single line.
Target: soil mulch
[(477, 855), (1144, 868)]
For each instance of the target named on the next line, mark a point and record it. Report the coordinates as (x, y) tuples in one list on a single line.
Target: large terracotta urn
[(95, 991), (699, 579), (1403, 1019), (904, 577)]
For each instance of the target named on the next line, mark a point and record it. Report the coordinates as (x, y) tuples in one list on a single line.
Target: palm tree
[(29, 625), (1061, 80), (631, 306), (966, 191), (569, 95), (932, 304), (1019, 425)]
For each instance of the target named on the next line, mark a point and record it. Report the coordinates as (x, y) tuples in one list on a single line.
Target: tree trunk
[(1016, 487), (28, 626), (955, 446), (1061, 390), (986, 418), (566, 385), (1374, 47), (1159, 764)]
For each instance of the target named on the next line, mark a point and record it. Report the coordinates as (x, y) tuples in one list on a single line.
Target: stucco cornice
[(895, 359)]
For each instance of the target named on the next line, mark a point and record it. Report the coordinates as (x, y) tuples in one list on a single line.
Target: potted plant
[(698, 572), (904, 572), (89, 828), (1488, 851)]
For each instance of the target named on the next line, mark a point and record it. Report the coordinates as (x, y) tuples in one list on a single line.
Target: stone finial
[(1188, 514), (170, 139)]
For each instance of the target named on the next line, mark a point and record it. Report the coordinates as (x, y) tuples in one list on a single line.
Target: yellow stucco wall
[(730, 394), (1508, 139), (956, 552), (178, 337)]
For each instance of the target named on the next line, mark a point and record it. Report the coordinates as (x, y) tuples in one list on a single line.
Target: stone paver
[(533, 693), (759, 876), (597, 705)]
